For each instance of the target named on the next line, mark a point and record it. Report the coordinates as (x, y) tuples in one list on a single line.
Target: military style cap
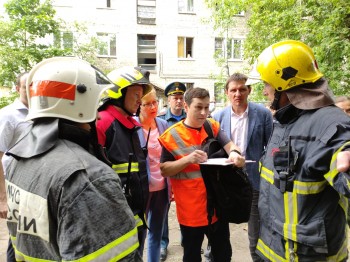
[(174, 89)]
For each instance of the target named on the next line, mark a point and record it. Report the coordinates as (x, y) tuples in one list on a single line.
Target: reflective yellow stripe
[(113, 251), (138, 221), (22, 257), (291, 221), (307, 188), (123, 168), (268, 252), (267, 175), (333, 172), (299, 187), (343, 251), (343, 202)]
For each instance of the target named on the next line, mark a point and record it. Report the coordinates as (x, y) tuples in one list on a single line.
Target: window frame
[(185, 49), (59, 40), (144, 51), (110, 40), (185, 6), (149, 17)]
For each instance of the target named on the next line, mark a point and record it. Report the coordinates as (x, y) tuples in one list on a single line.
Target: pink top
[(155, 180)]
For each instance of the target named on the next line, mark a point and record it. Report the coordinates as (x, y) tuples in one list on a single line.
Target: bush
[(6, 100)]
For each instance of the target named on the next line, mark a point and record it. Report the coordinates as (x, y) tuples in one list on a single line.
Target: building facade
[(167, 37)]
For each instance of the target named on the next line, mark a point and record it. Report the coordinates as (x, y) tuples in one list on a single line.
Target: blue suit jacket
[(259, 131)]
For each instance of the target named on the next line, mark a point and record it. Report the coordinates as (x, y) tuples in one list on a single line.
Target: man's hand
[(343, 161), (197, 156), (237, 159)]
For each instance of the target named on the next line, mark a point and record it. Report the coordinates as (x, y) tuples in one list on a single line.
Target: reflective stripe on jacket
[(188, 185), (303, 208)]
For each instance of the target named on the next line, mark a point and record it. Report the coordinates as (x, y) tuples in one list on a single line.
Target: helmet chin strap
[(275, 102)]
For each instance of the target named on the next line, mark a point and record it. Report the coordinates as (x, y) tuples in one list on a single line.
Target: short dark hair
[(196, 92), (19, 76), (236, 77)]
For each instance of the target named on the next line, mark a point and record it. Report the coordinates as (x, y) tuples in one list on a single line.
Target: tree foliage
[(323, 25), (26, 33), (28, 22)]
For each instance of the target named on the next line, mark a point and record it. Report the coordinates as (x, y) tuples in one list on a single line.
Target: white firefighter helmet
[(65, 87)]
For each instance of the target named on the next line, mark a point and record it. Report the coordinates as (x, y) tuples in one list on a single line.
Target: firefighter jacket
[(188, 185), (65, 204), (118, 135), (302, 203)]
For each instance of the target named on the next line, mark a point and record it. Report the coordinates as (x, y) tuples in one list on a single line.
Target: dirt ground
[(239, 241)]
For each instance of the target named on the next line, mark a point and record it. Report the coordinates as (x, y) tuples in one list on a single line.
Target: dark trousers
[(220, 242), (254, 227), (10, 252)]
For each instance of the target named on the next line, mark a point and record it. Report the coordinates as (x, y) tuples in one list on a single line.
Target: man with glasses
[(175, 94)]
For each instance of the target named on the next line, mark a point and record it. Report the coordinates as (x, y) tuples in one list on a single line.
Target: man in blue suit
[(249, 125)]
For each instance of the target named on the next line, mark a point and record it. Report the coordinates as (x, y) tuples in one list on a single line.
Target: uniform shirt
[(12, 125)]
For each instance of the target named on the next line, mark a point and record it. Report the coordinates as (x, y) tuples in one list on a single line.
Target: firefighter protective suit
[(302, 202), (65, 204)]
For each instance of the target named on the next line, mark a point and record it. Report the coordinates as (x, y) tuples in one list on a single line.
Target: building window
[(107, 44), (63, 40), (146, 51), (235, 49), (146, 12), (185, 6), (185, 47), (103, 4), (219, 47), (229, 48)]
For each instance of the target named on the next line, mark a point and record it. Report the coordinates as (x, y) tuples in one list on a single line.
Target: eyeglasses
[(149, 105)]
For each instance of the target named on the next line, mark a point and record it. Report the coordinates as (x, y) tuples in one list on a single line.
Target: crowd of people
[(90, 167)]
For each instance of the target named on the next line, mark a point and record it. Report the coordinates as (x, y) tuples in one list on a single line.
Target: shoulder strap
[(208, 129)]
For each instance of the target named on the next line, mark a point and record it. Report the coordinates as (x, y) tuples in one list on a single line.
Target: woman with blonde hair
[(159, 187)]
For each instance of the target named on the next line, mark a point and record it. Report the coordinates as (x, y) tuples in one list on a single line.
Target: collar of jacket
[(128, 121), (288, 114), (169, 115), (44, 136)]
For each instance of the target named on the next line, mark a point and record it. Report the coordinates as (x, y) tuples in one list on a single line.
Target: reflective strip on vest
[(187, 175), (113, 251), (182, 148), (123, 168), (268, 252), (333, 172)]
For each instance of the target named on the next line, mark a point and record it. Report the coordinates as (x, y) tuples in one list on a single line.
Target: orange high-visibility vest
[(188, 185)]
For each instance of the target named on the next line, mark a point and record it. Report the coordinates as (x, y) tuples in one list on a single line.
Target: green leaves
[(324, 25)]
